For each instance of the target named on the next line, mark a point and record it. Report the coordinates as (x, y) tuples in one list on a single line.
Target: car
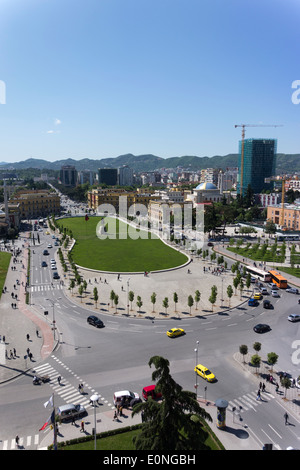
[(273, 286), (261, 328), (264, 290), (252, 302), (257, 296), (274, 293), (56, 275), (267, 304), (56, 244), (125, 398), (47, 233), (292, 290), (68, 412), (210, 244), (49, 246), (53, 236), (293, 317), (53, 266), (45, 252), (174, 332), (44, 264), (205, 373), (52, 261), (95, 321), (150, 391)]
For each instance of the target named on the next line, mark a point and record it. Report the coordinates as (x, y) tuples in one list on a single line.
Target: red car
[(150, 392)]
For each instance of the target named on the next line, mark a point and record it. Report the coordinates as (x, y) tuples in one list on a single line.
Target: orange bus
[(278, 279)]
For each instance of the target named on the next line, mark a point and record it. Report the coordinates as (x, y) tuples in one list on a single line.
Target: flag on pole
[(49, 402), (49, 421)]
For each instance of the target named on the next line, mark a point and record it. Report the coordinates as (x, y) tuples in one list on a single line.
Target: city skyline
[(99, 79)]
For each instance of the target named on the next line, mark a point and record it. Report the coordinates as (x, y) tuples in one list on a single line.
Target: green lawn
[(4, 263), (118, 255)]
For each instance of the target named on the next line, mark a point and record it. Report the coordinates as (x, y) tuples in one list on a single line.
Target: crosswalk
[(64, 392), (45, 287), (249, 401)]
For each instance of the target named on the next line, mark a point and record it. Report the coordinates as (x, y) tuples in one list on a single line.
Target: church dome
[(206, 186)]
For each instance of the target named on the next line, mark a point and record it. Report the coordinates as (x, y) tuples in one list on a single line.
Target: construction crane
[(242, 149)]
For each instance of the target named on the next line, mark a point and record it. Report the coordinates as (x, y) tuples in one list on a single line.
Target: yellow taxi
[(205, 373), (47, 233), (174, 332), (257, 296)]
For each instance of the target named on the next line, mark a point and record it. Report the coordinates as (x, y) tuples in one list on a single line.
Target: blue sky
[(102, 78)]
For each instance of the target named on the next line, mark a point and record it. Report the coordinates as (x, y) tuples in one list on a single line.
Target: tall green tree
[(173, 423), (153, 300)]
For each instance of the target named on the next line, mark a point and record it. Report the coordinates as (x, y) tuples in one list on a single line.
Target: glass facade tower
[(259, 163)]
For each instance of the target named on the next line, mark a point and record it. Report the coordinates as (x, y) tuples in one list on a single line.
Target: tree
[(197, 297), (272, 358), (116, 301), (72, 285), (96, 297), (130, 298), (270, 227), (84, 285), (166, 303), (80, 291), (286, 383), (257, 346), (153, 300), (112, 296), (213, 296), (236, 282), (174, 422), (190, 302), (255, 361), (229, 293), (139, 302), (248, 280), (175, 299), (244, 351)]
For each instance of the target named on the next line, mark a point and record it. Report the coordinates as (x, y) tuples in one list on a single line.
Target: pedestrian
[(260, 385), (73, 420), (17, 441), (82, 426), (277, 388), (115, 416), (258, 395), (59, 379), (15, 352), (263, 387), (28, 337), (286, 417)]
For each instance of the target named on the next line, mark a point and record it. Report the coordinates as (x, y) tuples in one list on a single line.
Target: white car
[(52, 261), (274, 293), (49, 246), (292, 290), (294, 317), (53, 266)]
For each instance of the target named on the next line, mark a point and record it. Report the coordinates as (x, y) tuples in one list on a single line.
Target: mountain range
[(285, 163)]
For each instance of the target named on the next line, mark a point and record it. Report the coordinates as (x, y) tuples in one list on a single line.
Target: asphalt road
[(116, 357)]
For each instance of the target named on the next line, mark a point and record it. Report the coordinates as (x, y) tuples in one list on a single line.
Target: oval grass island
[(113, 253)]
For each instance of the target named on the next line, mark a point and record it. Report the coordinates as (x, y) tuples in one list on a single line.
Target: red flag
[(50, 421), (86, 217)]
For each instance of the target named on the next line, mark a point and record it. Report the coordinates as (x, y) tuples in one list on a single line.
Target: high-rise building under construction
[(259, 162)]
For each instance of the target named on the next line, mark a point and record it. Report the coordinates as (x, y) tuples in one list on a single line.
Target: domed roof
[(206, 186)]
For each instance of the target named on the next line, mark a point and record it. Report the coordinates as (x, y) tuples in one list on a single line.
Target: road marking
[(275, 431)]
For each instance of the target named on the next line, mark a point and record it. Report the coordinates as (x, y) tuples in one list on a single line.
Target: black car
[(95, 321), (56, 275), (267, 304), (45, 252), (261, 328)]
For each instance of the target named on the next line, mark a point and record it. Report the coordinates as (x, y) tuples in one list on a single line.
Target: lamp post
[(53, 321), (128, 295), (196, 354), (94, 399)]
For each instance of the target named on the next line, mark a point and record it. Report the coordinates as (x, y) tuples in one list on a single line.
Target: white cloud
[(57, 122)]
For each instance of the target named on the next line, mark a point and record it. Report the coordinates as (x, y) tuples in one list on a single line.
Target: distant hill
[(285, 163)]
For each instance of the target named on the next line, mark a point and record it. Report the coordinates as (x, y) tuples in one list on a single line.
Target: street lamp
[(196, 353), (94, 398), (53, 321), (128, 295)]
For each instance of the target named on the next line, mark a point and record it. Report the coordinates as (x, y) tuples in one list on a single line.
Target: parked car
[(67, 412), (261, 328), (125, 398), (292, 290), (151, 392), (95, 321), (294, 317)]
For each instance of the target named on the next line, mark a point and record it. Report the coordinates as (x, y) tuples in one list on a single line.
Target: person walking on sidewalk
[(286, 418)]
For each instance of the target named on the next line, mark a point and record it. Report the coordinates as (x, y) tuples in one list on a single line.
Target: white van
[(124, 397)]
